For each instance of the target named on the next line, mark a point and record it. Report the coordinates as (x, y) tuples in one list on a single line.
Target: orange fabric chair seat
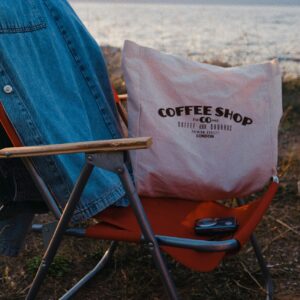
[(176, 217)]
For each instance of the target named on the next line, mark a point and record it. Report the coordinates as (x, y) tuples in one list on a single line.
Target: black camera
[(216, 226)]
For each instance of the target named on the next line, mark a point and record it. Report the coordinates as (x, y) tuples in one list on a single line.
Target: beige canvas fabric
[(214, 129)]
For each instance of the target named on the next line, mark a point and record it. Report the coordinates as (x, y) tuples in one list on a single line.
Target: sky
[(223, 2)]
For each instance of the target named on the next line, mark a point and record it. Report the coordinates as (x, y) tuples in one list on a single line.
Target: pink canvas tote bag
[(214, 129)]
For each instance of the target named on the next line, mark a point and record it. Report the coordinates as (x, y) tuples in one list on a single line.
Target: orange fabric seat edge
[(9, 128)]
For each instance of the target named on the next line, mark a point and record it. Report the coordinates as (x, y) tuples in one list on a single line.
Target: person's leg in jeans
[(16, 186)]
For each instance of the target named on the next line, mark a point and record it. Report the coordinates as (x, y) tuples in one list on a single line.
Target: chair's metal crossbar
[(100, 265), (114, 162)]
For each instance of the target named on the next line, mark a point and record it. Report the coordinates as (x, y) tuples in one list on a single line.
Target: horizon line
[(201, 2)]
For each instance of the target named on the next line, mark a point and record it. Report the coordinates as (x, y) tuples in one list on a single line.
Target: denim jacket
[(55, 89)]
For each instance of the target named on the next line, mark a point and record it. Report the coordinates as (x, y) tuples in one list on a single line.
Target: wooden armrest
[(81, 147), (123, 97)]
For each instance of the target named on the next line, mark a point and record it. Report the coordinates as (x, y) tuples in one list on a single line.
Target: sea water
[(226, 33)]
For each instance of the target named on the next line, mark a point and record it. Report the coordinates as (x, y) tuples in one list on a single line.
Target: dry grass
[(131, 274)]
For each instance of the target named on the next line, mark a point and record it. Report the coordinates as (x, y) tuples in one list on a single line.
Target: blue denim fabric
[(61, 93)]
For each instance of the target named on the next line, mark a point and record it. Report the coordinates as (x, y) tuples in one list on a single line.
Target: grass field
[(131, 274)]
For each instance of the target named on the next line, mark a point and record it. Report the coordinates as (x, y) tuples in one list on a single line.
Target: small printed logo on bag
[(207, 121)]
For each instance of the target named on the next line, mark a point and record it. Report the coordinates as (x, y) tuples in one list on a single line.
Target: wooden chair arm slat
[(123, 97), (80, 147)]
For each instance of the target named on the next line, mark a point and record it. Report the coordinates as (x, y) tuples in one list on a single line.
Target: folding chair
[(163, 225)]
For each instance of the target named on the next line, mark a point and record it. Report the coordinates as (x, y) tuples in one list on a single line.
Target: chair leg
[(263, 267), (163, 270), (59, 232), (101, 264), (148, 234), (114, 162)]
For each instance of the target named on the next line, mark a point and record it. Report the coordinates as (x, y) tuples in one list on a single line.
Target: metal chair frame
[(110, 155), (114, 162)]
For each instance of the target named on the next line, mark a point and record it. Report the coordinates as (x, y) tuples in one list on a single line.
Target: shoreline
[(113, 56)]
